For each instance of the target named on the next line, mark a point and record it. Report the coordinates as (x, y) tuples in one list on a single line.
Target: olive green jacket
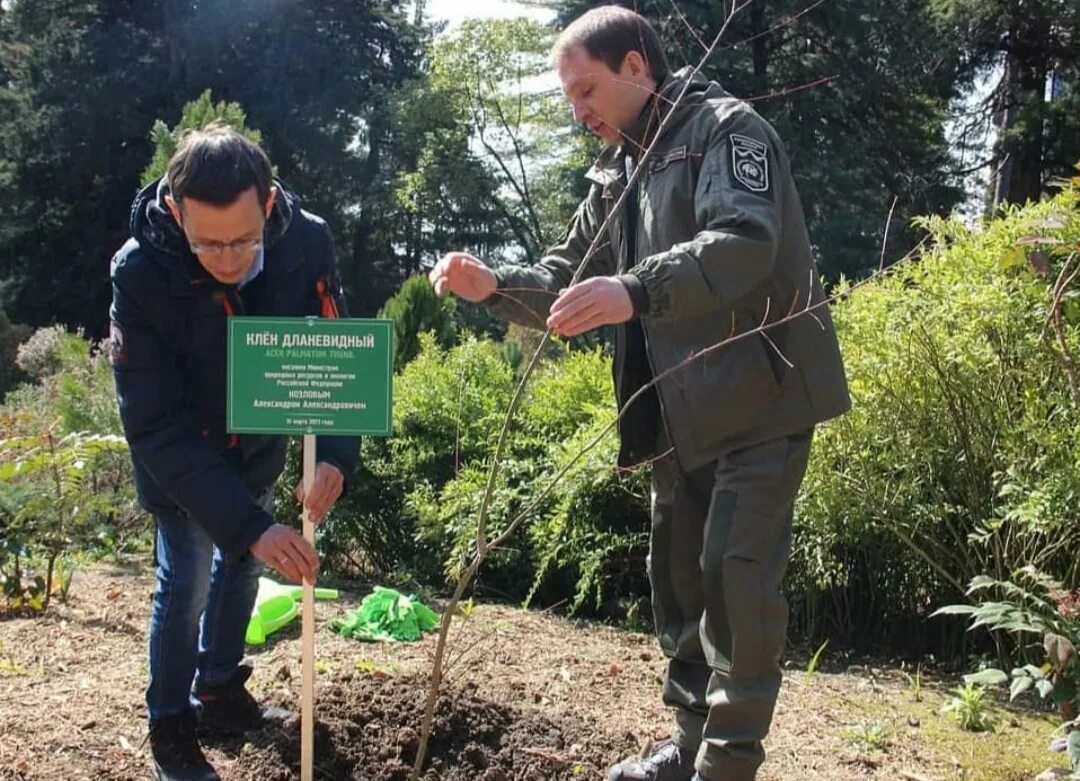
[(721, 247)]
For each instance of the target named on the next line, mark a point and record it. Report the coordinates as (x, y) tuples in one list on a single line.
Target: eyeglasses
[(217, 247)]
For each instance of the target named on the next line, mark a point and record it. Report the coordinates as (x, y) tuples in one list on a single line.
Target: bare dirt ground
[(532, 696)]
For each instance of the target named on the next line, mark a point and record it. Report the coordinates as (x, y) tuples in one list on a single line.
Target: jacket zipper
[(625, 254)]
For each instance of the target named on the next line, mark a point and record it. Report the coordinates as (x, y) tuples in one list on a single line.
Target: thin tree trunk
[(48, 580)]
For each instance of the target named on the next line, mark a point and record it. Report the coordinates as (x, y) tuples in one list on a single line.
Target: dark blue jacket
[(168, 352)]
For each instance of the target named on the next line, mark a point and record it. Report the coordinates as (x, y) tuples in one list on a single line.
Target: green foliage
[(449, 410), (915, 682), (969, 707), (482, 72), (415, 309), (73, 384), (812, 665), (447, 407), (595, 535), (65, 575), (959, 454), (197, 114), (65, 480), (415, 506), (57, 506), (487, 164), (871, 736), (84, 82), (585, 542), (1032, 603), (465, 150)]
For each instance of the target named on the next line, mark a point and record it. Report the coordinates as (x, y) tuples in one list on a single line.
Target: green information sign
[(306, 375)]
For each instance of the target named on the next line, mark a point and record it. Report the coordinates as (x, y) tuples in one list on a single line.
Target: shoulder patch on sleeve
[(749, 164)]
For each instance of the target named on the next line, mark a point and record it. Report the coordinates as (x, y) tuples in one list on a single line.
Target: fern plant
[(58, 504)]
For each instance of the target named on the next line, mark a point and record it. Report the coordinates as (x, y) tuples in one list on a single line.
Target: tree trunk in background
[(1018, 159)]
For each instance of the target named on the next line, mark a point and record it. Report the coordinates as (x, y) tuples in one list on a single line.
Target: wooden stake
[(307, 662)]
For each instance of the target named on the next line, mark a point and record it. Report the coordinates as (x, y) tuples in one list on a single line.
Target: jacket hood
[(152, 224)]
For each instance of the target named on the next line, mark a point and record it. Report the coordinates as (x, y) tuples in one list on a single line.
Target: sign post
[(309, 376)]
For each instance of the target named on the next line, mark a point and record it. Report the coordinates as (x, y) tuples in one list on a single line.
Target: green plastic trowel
[(275, 606)]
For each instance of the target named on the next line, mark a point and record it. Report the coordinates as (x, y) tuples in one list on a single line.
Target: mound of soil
[(368, 729)]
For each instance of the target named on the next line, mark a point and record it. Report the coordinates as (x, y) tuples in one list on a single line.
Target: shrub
[(959, 454), (65, 474), (447, 404), (40, 355), (416, 498), (50, 506), (197, 114), (415, 309), (585, 542)]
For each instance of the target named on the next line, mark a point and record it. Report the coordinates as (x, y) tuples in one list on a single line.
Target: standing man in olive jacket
[(216, 236), (712, 240)]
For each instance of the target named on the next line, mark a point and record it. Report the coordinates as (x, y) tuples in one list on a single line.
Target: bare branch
[(787, 21), (795, 299), (772, 344), (1061, 285), (885, 238), (517, 186), (453, 662), (519, 153), (791, 90), (644, 464), (693, 32)]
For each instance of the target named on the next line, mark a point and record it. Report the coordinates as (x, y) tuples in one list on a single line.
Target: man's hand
[(464, 276), (326, 489), (590, 304), (285, 551)]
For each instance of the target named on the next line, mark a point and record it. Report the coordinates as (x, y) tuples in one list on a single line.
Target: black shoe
[(229, 707), (667, 762), (175, 750)]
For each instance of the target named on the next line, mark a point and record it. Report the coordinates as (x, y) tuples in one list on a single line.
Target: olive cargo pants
[(719, 546)]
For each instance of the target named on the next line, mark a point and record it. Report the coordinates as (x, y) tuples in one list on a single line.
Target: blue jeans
[(200, 613)]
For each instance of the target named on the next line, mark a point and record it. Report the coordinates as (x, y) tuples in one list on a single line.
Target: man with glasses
[(217, 236)]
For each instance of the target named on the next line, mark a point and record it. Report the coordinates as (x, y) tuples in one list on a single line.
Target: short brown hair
[(216, 164), (609, 33)]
